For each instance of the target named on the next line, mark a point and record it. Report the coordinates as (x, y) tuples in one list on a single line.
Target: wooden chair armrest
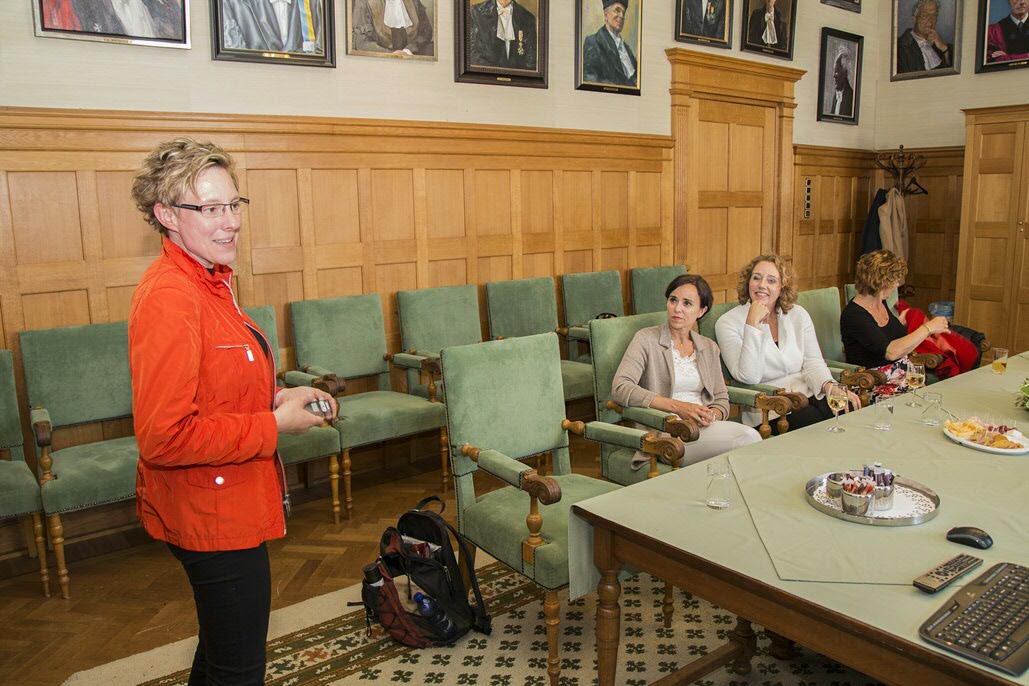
[(541, 489)]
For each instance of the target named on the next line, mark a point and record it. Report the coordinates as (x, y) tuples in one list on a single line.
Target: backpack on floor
[(419, 548)]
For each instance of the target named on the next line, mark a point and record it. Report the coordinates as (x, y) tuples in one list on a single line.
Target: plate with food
[(990, 438)]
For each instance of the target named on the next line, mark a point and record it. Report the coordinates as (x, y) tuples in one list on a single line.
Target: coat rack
[(902, 167)]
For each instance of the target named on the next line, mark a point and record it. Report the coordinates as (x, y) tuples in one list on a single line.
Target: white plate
[(1013, 436)]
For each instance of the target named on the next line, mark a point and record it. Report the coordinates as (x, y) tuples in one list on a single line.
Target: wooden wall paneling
[(10, 287), (340, 207), (92, 244), (123, 232), (934, 224), (825, 242), (45, 216)]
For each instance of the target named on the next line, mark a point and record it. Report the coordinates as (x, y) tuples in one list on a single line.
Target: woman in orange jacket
[(206, 409)]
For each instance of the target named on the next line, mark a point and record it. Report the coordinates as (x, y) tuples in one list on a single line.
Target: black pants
[(233, 593), (816, 411)]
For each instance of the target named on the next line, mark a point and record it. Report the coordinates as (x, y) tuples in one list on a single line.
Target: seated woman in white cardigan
[(769, 339), (674, 369)]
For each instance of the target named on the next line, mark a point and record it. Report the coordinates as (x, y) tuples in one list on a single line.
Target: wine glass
[(837, 399), (915, 379)]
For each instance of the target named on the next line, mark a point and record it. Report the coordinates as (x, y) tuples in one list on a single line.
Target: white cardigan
[(751, 356)]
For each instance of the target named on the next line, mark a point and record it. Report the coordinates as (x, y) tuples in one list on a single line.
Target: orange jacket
[(208, 476)]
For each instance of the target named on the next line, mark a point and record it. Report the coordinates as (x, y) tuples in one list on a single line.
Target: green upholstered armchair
[(823, 304), (432, 319), (523, 307), (648, 286), (321, 441), (585, 296), (79, 375), (609, 340), (761, 397), (19, 486), (347, 337), (504, 405)]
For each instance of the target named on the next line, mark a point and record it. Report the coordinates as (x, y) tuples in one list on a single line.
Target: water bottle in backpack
[(432, 611)]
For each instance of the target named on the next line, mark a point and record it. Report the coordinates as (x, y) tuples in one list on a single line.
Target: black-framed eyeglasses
[(215, 209)]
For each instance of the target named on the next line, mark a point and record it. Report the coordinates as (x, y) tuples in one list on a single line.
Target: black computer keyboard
[(986, 621)]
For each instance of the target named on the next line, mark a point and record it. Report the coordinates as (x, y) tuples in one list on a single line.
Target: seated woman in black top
[(872, 334)]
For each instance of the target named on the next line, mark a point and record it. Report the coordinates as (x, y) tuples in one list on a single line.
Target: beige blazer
[(647, 370)]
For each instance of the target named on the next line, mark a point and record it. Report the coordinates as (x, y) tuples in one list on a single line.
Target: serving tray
[(913, 503), (1013, 436)]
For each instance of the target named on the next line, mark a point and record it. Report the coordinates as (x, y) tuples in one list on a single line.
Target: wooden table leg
[(609, 613), (743, 636), (781, 648)]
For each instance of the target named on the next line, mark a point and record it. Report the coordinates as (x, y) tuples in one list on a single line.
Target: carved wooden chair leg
[(334, 485), (743, 636), (552, 611), (347, 497), (444, 459), (668, 606), (40, 543), (780, 647), (57, 539)]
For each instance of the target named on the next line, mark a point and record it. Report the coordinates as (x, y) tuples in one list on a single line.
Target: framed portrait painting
[(1002, 35), (926, 39), (849, 5), (607, 37), (163, 23), (768, 27), (254, 31), (706, 22), (839, 76), (401, 30), (501, 42)]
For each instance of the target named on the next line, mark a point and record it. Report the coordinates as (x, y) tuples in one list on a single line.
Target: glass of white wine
[(837, 399), (916, 380)]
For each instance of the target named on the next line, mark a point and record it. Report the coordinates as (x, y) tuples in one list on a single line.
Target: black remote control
[(942, 576)]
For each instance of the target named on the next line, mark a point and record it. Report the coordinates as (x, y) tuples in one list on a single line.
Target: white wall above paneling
[(47, 72)]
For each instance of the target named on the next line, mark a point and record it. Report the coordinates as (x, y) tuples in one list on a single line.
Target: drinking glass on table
[(931, 414), (915, 380), (1000, 360), (719, 486), (837, 398), (884, 412)]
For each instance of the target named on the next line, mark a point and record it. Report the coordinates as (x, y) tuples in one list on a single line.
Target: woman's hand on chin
[(758, 313)]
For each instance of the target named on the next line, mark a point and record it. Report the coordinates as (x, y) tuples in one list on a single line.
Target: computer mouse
[(970, 536)]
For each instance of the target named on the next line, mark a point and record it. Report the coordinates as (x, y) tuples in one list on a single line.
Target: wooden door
[(732, 121), (986, 299), (732, 197)]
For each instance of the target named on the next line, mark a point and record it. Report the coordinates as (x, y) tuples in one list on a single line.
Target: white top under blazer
[(751, 356)]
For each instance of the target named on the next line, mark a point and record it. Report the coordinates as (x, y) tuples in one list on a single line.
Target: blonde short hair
[(877, 271), (171, 169), (787, 280)]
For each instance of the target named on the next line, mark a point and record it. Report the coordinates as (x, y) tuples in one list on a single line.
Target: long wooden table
[(662, 527)]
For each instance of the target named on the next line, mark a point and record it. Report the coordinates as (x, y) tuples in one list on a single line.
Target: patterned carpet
[(340, 652)]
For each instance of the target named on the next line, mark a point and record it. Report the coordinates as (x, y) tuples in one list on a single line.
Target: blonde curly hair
[(787, 281), (878, 271), (171, 169)]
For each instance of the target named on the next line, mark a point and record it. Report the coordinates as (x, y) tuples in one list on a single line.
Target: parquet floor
[(130, 601)]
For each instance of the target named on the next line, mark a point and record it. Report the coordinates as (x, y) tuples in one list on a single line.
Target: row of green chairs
[(79, 375)]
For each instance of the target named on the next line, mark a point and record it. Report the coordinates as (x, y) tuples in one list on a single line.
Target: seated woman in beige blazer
[(674, 369)]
